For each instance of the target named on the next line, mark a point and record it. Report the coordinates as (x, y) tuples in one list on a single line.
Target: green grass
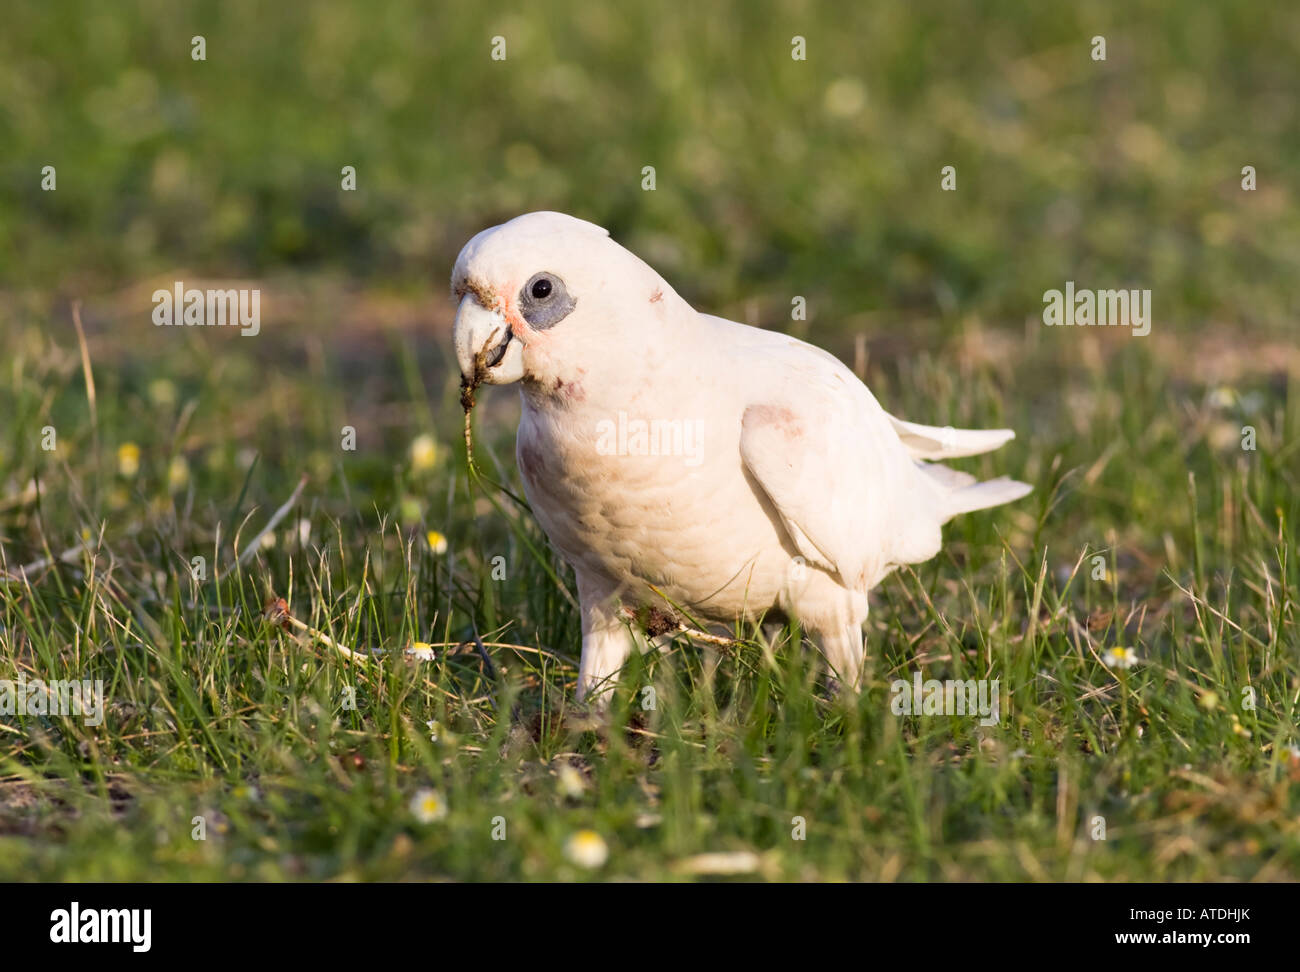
[(775, 179), (214, 712)]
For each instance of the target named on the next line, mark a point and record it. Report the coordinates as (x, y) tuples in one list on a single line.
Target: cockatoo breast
[(654, 495)]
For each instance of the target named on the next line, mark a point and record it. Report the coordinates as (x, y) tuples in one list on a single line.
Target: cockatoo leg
[(843, 650), (607, 639), (834, 615)]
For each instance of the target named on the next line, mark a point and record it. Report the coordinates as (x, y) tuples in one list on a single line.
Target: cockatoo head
[(545, 296)]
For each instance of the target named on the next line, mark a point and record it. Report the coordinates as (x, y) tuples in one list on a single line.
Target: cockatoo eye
[(544, 301)]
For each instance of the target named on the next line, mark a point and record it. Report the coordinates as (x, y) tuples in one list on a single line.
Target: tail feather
[(931, 442), (948, 478), (958, 491), (979, 496)]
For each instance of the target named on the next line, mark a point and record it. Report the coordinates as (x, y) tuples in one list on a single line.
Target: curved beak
[(485, 345)]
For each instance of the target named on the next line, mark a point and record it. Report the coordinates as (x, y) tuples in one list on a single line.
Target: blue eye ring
[(544, 301)]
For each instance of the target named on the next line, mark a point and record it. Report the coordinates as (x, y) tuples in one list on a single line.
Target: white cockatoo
[(691, 465)]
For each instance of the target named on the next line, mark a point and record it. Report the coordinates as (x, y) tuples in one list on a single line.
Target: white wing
[(844, 476)]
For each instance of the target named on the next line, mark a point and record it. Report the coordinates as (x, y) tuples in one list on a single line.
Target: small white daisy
[(428, 806), (1121, 658), (178, 474), (128, 460), (421, 651), (571, 782), (587, 849), (424, 453)]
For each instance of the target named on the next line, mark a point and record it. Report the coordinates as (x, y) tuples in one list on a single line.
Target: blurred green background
[(774, 176)]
